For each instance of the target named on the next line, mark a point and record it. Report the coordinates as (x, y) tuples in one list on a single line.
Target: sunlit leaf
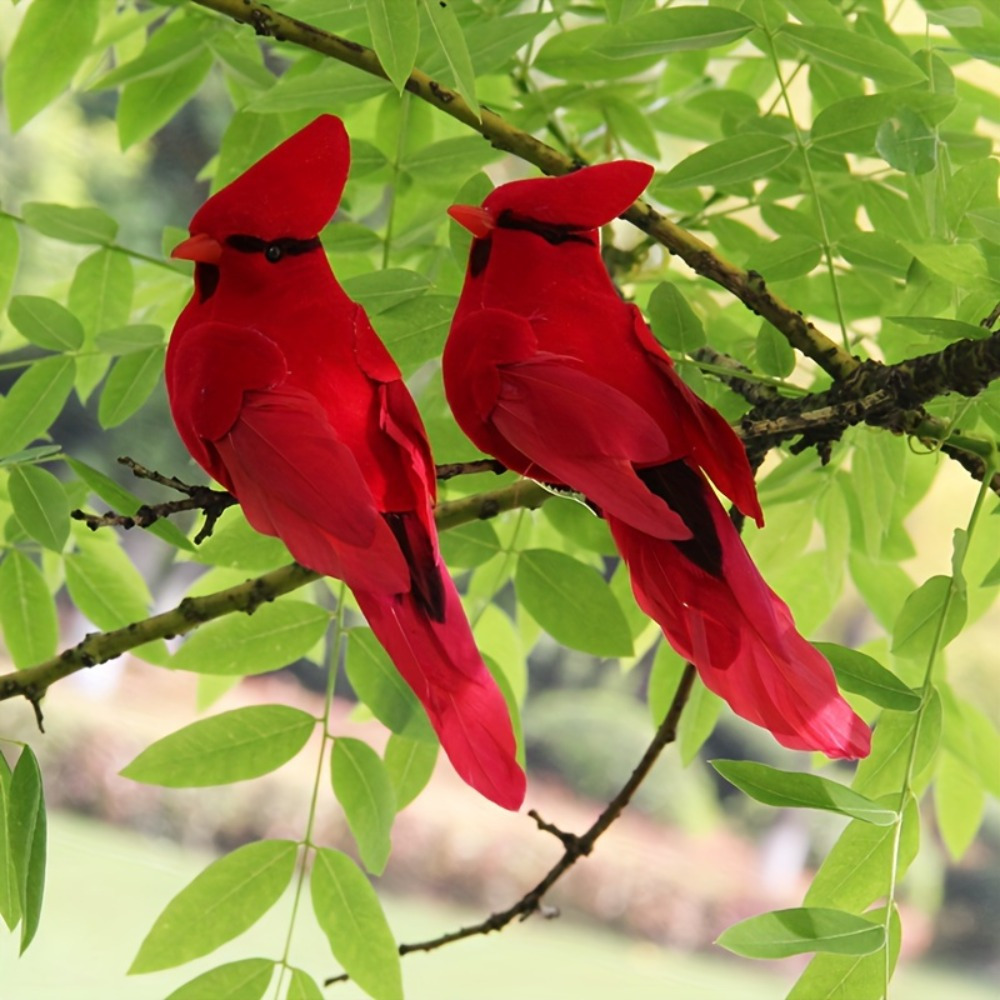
[(572, 603), (246, 979), (45, 322), (232, 746), (41, 505), (71, 225), (781, 933), (27, 611), (362, 786), (229, 896), (794, 789), (54, 39), (351, 916)]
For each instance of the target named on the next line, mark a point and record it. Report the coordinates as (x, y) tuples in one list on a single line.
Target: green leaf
[(362, 786), (697, 721), (773, 352), (676, 29), (312, 90), (438, 164), (247, 979), (41, 505), (939, 326), (237, 545), (918, 624), (861, 674), (272, 637), (105, 585), (409, 764), (27, 611), (132, 379), (10, 898), (492, 43), (859, 867), (887, 767), (451, 41), (378, 291), (797, 790), (395, 28), (148, 104), (907, 143), (378, 683), (851, 124), (781, 933), (130, 339), (54, 39), (960, 263), (730, 161), (366, 158), (855, 53), (673, 320), (34, 402), (786, 257), (351, 916), (850, 977), (125, 502), (228, 897), (959, 802), (10, 252), (232, 746), (71, 225), (45, 322), (572, 602), (101, 297), (470, 544), (415, 330), (26, 830), (303, 987)]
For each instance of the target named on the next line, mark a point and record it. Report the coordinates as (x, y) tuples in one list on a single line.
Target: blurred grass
[(106, 886)]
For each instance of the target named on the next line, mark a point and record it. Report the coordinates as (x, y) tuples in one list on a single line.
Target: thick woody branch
[(575, 846)]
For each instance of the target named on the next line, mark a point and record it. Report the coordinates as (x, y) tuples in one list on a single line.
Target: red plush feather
[(550, 371), (282, 391)]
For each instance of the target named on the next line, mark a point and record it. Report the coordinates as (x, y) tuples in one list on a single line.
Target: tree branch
[(748, 286), (99, 647), (574, 846)]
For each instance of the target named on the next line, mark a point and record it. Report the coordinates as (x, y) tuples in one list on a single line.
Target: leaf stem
[(333, 651)]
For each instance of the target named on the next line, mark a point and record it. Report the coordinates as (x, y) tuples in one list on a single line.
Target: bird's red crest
[(589, 197), (292, 191)]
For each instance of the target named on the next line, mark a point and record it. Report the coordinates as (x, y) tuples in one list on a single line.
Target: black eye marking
[(273, 250), (550, 232), (479, 256), (206, 280)]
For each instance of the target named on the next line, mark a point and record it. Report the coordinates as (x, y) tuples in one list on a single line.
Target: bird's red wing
[(209, 368), (711, 442), (585, 432)]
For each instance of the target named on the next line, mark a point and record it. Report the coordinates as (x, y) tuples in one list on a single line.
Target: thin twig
[(574, 847)]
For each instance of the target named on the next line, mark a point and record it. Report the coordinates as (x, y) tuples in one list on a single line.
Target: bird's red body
[(547, 369), (284, 394)]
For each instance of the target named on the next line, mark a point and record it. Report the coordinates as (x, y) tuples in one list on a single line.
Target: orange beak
[(200, 248), (479, 221)]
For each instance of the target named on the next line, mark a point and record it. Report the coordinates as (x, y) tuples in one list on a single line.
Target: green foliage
[(229, 896), (234, 746), (843, 160)]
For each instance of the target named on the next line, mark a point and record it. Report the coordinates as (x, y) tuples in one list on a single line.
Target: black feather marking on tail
[(684, 491), (426, 584)]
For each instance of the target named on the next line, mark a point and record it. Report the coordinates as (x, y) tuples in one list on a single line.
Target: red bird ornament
[(284, 394), (548, 370)]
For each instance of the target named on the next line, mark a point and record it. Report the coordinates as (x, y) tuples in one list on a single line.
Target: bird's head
[(274, 210), (558, 209)]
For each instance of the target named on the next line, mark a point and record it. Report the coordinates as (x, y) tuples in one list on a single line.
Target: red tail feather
[(441, 664), (741, 637)]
